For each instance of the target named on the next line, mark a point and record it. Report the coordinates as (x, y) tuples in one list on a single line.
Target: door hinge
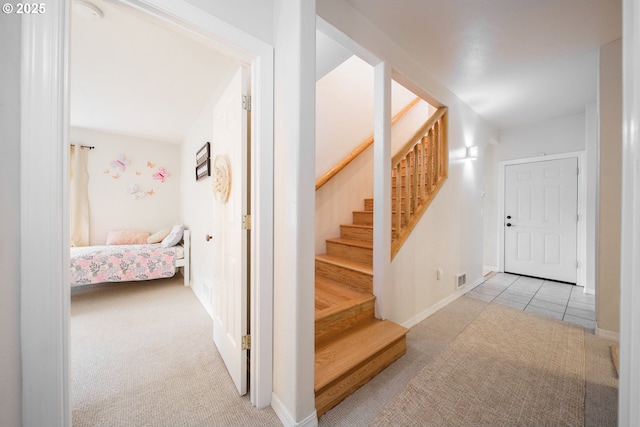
[(246, 102), (246, 342), (246, 222)]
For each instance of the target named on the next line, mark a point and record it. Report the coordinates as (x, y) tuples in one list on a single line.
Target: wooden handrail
[(363, 146), (419, 170), (418, 135)]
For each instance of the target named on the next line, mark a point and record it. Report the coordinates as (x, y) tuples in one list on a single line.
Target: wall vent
[(461, 279)]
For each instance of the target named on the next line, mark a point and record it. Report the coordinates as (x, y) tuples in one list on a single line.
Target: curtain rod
[(90, 147)]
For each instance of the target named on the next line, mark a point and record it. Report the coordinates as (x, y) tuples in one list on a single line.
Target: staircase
[(351, 345)]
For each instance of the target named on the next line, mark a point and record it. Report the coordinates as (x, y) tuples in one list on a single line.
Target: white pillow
[(158, 236), (174, 236)]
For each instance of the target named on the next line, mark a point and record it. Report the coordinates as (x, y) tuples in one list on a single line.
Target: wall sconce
[(472, 152)]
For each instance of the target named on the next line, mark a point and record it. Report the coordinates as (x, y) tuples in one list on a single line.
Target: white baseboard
[(441, 304), (489, 267), (609, 335), (287, 419)]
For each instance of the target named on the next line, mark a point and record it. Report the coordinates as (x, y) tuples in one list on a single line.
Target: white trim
[(382, 187), (490, 268), (629, 391), (608, 335), (44, 232), (582, 193), (286, 418), (410, 323)]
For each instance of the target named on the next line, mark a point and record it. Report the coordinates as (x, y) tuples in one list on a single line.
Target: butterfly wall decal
[(138, 173), (116, 176), (161, 174), (151, 165), (151, 192), (135, 192), (120, 163), (106, 171)]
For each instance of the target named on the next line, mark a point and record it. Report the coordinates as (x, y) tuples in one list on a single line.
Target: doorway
[(540, 219), (44, 77)]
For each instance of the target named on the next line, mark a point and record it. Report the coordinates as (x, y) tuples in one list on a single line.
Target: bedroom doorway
[(237, 262)]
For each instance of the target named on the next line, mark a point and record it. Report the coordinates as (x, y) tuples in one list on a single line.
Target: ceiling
[(513, 61), (132, 76)]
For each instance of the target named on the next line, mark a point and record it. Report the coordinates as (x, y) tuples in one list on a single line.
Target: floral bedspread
[(121, 263)]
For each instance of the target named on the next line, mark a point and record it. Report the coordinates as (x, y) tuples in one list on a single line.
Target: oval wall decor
[(221, 178)]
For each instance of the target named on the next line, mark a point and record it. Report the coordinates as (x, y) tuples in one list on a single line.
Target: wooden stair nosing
[(351, 242)]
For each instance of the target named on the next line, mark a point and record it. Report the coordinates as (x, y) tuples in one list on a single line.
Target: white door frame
[(582, 194), (44, 219)]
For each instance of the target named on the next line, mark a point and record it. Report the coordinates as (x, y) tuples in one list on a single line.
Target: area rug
[(530, 372)]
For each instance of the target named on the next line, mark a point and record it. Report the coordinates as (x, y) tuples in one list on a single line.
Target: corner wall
[(10, 365), (610, 185)]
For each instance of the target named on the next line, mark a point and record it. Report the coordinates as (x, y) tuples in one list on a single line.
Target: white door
[(540, 223), (229, 151)]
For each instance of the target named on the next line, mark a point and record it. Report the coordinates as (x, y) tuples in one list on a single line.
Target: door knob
[(508, 216), (508, 224), (208, 237)]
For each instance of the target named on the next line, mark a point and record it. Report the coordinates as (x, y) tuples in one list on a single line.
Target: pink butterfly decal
[(120, 163), (138, 173), (151, 165), (106, 171), (161, 174), (151, 192), (116, 176)]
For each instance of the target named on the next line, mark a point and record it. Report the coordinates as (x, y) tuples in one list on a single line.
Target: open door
[(230, 181)]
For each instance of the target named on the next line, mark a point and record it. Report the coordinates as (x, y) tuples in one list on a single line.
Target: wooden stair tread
[(356, 266), (363, 226), (341, 355), (351, 242), (331, 297)]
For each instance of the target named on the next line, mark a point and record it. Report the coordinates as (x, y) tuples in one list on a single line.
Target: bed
[(129, 262)]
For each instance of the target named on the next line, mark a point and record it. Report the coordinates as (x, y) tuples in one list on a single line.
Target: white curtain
[(79, 196)]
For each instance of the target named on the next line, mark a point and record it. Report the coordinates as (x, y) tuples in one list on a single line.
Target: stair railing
[(359, 149), (418, 172)]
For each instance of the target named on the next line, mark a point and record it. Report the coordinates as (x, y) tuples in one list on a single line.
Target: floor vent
[(461, 279)]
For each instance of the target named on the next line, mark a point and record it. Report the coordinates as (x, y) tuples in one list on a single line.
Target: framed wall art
[(203, 162)]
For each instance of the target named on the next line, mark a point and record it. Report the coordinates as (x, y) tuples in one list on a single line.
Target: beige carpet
[(507, 368), (142, 355)]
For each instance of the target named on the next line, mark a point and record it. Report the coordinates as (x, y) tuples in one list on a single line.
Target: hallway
[(556, 300)]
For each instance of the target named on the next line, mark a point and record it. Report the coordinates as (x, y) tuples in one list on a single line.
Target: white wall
[(10, 366), (450, 234), (112, 206), (560, 135), (294, 207), (610, 185)]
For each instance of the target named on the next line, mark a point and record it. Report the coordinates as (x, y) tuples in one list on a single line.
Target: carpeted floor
[(142, 355), (427, 340), (506, 368)]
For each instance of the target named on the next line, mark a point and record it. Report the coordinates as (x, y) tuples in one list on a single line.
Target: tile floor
[(544, 297)]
